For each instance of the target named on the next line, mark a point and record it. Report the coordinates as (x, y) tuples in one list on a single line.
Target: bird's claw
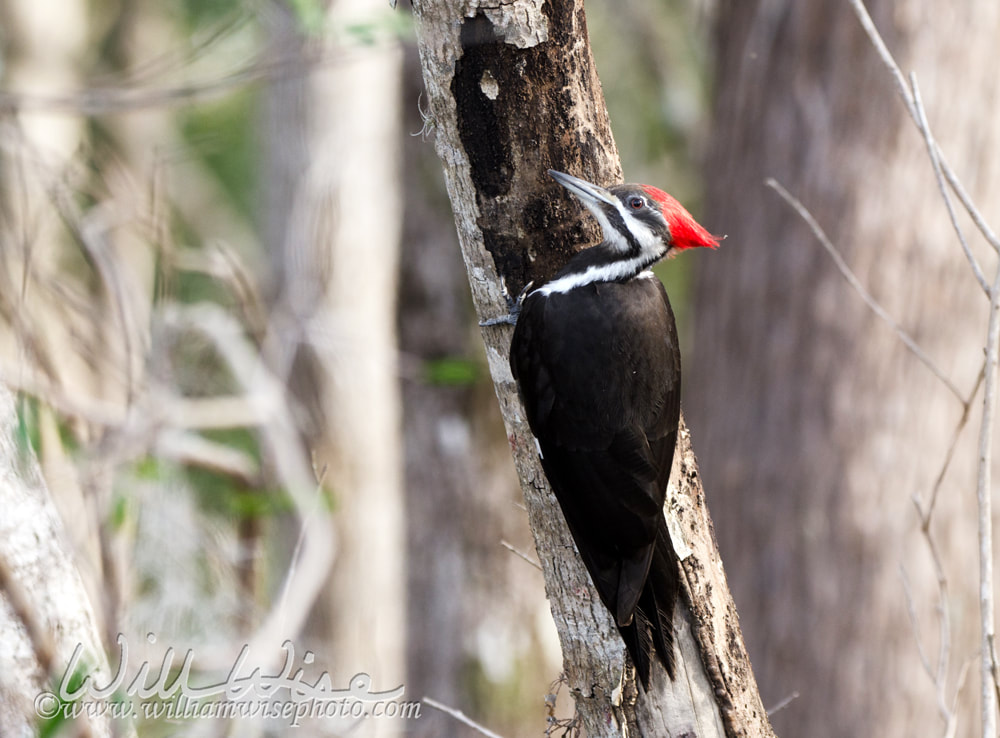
[(508, 319), (513, 308)]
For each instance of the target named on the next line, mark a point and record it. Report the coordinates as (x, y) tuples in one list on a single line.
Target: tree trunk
[(44, 609), (333, 220), (816, 425), (512, 92), (468, 596)]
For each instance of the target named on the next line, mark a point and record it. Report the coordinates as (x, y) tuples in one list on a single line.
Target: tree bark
[(465, 644), (817, 426), (513, 91), (45, 612)]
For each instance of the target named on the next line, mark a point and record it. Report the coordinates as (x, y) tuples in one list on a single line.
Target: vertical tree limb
[(44, 610)]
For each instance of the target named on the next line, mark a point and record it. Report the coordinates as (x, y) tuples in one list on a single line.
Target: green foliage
[(118, 515), (60, 722), (203, 12), (194, 287), (510, 699), (451, 371), (656, 88), (310, 15), (216, 493), (380, 25), (676, 275), (27, 434), (223, 495), (222, 135)]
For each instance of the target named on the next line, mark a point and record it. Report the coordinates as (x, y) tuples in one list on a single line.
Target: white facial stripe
[(649, 242), (604, 273), (611, 235)]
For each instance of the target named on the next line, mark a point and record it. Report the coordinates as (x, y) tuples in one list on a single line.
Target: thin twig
[(911, 611), (852, 279), (985, 500), (970, 207), (521, 554), (938, 675), (460, 717), (911, 107), (966, 411), (932, 152), (990, 684), (883, 51), (952, 728), (782, 704)]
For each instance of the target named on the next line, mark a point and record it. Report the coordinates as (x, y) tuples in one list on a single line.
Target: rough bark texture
[(44, 609), (815, 425), (513, 91), (465, 643)]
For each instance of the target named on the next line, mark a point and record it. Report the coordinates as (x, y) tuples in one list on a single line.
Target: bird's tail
[(652, 627)]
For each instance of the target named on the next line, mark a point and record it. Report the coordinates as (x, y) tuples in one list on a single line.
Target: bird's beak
[(589, 194)]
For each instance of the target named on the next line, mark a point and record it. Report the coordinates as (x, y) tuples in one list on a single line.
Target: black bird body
[(597, 364)]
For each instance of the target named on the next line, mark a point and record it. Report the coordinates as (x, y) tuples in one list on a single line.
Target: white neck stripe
[(611, 272)]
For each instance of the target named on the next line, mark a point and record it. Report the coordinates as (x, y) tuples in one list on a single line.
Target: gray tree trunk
[(816, 425), (513, 91), (333, 222)]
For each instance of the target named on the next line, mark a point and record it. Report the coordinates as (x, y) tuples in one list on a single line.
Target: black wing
[(599, 374)]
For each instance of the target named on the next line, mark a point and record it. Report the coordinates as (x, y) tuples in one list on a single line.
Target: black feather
[(598, 370)]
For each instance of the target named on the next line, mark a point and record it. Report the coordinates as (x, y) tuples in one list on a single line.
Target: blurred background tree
[(816, 427)]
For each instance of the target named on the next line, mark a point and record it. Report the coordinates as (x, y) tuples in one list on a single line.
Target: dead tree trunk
[(513, 91)]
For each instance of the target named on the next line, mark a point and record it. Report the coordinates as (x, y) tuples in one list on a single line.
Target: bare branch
[(883, 51), (970, 206), (925, 516), (281, 438), (195, 450), (932, 152), (990, 684), (985, 500), (911, 611), (521, 554), (939, 672), (783, 704), (852, 279), (912, 108), (460, 717)]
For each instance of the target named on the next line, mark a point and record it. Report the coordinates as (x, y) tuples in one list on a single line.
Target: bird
[(597, 365)]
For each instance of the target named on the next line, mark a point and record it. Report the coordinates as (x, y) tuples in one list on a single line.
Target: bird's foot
[(508, 319), (513, 308)]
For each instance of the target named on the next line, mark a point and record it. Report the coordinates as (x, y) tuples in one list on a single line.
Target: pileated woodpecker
[(598, 369)]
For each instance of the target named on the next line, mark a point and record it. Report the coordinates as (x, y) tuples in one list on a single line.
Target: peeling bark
[(513, 91)]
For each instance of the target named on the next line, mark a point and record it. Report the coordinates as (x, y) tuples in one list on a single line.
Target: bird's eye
[(636, 203)]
